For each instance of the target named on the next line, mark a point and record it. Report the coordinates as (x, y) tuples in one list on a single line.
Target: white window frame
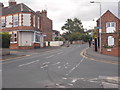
[(38, 22), (34, 20), (15, 20), (110, 40), (3, 22), (13, 37), (9, 24), (109, 24), (28, 23)]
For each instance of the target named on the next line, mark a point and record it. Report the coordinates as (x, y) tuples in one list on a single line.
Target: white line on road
[(60, 53), (0, 70), (76, 66), (50, 56), (28, 63), (56, 63), (45, 63)]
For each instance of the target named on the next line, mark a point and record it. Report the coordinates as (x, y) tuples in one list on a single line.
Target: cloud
[(60, 10)]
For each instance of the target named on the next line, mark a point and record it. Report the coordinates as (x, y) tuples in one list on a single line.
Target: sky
[(60, 10)]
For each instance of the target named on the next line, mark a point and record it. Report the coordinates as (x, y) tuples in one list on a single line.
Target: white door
[(26, 38)]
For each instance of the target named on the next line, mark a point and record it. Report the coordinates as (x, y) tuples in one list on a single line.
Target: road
[(63, 68)]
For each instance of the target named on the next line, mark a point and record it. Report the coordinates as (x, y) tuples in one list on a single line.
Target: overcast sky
[(60, 10)]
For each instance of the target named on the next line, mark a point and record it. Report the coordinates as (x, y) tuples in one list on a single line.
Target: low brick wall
[(36, 45), (14, 46), (111, 51), (4, 51), (25, 47)]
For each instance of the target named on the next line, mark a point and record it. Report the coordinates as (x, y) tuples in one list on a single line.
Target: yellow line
[(83, 54)]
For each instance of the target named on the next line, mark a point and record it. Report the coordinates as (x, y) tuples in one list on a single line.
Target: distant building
[(90, 32), (109, 36), (55, 33), (25, 26)]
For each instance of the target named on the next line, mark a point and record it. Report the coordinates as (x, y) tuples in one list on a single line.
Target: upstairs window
[(110, 24), (2, 22), (34, 20), (9, 22), (26, 19), (15, 22), (38, 22)]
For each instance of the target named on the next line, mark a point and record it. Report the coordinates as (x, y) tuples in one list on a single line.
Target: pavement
[(24, 53), (93, 55)]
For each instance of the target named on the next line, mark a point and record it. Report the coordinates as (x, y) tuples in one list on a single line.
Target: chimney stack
[(1, 5), (12, 2), (44, 13)]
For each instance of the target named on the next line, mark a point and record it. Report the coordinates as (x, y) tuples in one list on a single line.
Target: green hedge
[(4, 40)]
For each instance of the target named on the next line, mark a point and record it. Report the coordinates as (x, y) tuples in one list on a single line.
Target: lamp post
[(100, 26)]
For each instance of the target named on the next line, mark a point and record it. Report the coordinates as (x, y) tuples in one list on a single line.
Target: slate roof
[(17, 8)]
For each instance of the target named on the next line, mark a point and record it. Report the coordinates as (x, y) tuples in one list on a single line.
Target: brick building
[(109, 35), (46, 26), (24, 25)]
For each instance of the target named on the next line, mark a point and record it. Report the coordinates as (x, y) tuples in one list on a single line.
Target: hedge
[(4, 40)]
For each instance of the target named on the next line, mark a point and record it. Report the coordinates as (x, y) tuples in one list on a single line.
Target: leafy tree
[(74, 25)]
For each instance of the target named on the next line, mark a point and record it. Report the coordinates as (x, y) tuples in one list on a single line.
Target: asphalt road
[(63, 68)]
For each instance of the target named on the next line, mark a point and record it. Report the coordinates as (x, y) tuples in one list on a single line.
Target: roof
[(17, 8), (108, 11)]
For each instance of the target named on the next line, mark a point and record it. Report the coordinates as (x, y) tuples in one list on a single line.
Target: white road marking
[(74, 80), (45, 63), (28, 63), (60, 53), (70, 84), (56, 63), (44, 66), (50, 56), (59, 67), (64, 78), (76, 65), (0, 70)]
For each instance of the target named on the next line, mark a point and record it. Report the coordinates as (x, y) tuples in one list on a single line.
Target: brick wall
[(46, 26)]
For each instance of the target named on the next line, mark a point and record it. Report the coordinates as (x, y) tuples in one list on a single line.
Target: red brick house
[(24, 25), (46, 26), (109, 35)]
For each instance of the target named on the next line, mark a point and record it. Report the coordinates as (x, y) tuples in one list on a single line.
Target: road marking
[(64, 78), (83, 54), (44, 66), (60, 53), (28, 63), (0, 70), (45, 63), (59, 67), (56, 63), (74, 80), (50, 56), (76, 66)]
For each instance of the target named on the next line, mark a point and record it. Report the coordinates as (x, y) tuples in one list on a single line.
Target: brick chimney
[(44, 13), (1, 5), (12, 2)]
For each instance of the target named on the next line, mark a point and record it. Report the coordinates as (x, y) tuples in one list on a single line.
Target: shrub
[(4, 40)]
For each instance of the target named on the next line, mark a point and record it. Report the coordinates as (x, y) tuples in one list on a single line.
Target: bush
[(4, 40)]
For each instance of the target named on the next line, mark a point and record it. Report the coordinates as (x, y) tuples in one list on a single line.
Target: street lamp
[(100, 25)]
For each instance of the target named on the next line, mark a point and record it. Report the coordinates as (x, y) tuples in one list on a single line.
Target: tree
[(74, 25)]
